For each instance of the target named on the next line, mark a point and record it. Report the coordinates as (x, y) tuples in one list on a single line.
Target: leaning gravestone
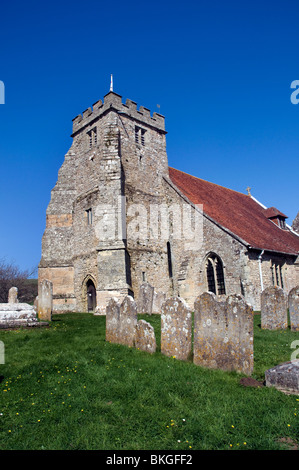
[(13, 295), (223, 333), (128, 321), (112, 321), (176, 327), (145, 298), (274, 315), (45, 300), (145, 338), (293, 300)]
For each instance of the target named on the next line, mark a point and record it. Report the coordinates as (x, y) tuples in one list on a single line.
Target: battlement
[(129, 108)]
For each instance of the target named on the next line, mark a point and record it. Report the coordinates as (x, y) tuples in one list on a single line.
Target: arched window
[(215, 275)]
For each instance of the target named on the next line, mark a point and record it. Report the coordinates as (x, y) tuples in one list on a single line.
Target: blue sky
[(221, 72)]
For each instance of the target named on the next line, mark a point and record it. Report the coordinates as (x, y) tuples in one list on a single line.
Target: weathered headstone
[(128, 321), (293, 300), (223, 333), (158, 300), (176, 328), (13, 295), (145, 298), (112, 321), (274, 315), (145, 338), (284, 377), (13, 315), (45, 300)]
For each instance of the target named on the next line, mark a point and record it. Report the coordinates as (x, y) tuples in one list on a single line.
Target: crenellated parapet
[(113, 101)]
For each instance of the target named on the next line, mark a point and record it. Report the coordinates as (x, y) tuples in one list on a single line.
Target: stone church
[(119, 216)]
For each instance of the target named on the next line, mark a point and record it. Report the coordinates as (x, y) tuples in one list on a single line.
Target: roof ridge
[(210, 182)]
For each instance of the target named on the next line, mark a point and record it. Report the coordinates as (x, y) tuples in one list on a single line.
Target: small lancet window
[(89, 216)]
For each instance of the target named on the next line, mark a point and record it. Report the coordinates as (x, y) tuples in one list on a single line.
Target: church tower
[(116, 162)]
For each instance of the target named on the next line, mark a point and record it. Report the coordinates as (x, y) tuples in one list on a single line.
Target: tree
[(12, 276)]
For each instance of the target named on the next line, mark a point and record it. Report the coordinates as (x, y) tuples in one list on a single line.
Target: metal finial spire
[(111, 83)]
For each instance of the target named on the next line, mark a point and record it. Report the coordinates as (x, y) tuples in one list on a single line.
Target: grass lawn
[(64, 387)]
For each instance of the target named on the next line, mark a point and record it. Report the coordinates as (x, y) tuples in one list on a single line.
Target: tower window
[(140, 135), (92, 137), (215, 275)]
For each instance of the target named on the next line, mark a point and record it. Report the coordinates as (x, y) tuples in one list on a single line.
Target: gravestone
[(284, 377), (293, 300), (14, 315), (45, 300), (176, 326), (158, 300), (112, 320), (145, 298), (128, 321), (13, 295), (223, 333), (274, 315), (145, 338)]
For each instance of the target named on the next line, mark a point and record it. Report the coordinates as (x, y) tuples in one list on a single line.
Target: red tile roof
[(239, 213)]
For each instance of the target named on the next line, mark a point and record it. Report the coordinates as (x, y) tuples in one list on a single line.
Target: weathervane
[(111, 83)]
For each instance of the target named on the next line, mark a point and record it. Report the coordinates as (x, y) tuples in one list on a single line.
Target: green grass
[(64, 388)]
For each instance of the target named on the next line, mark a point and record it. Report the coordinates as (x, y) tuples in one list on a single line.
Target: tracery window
[(215, 275)]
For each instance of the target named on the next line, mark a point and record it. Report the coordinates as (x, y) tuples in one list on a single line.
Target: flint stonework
[(176, 326), (13, 295), (274, 315), (223, 333), (145, 338), (145, 298), (45, 300), (294, 308)]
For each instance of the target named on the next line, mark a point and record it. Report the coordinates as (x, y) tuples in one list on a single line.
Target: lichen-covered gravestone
[(284, 377), (145, 298), (13, 295), (158, 300), (176, 326), (223, 333), (128, 321), (274, 304), (294, 308), (112, 321), (145, 338), (45, 300)]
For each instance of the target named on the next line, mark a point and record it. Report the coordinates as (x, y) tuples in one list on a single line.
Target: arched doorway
[(91, 296)]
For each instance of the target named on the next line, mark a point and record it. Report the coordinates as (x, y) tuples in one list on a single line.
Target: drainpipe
[(260, 269)]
